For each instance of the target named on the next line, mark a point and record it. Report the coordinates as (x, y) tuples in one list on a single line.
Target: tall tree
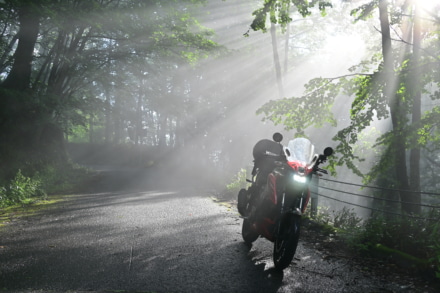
[(388, 87), (278, 12), (416, 92), (19, 77), (396, 110), (70, 52), (276, 60)]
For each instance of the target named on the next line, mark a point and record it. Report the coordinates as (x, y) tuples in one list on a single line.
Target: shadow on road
[(160, 241)]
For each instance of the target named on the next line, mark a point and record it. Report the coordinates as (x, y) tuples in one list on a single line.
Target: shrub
[(346, 219), (20, 190), (238, 182), (414, 236), (322, 215)]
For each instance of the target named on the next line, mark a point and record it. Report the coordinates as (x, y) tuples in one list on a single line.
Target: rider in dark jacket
[(265, 153)]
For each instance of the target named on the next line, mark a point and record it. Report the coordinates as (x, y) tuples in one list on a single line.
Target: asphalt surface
[(159, 240)]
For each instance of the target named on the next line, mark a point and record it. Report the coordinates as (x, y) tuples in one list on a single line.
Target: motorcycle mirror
[(328, 151), (277, 137)]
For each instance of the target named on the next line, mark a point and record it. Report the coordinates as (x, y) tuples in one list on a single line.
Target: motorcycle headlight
[(298, 178)]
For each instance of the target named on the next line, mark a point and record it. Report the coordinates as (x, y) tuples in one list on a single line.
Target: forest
[(189, 86)]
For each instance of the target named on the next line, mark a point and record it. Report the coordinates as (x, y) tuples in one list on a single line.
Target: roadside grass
[(226, 203), (28, 209), (31, 194)]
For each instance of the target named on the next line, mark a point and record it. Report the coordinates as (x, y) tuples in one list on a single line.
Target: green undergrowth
[(410, 242), (21, 190), (236, 183), (29, 186), (29, 193)]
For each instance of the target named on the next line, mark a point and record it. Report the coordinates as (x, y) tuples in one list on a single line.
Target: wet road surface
[(160, 241)]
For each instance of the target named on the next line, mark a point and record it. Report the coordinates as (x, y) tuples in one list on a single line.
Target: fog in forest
[(329, 51), (235, 85), (136, 105), (181, 91)]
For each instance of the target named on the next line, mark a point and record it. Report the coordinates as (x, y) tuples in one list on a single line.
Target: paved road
[(158, 241)]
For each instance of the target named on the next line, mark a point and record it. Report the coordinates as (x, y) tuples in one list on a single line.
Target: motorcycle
[(273, 205)]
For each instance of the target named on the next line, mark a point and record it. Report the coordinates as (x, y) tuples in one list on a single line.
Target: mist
[(235, 84), (172, 89)]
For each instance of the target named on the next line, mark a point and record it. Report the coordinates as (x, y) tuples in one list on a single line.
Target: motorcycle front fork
[(284, 211), (296, 211)]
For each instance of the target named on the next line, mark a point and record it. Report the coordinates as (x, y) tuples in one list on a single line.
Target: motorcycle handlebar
[(321, 170)]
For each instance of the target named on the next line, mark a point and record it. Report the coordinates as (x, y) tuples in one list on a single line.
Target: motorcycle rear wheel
[(248, 233), (286, 242)]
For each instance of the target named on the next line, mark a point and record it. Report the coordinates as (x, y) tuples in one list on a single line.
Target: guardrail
[(377, 198)]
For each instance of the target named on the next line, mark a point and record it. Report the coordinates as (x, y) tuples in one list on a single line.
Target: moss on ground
[(33, 208)]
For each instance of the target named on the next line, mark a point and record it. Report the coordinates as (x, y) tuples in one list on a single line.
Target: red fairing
[(295, 165), (273, 188)]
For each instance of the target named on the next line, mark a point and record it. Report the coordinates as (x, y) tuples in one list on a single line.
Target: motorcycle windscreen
[(301, 150)]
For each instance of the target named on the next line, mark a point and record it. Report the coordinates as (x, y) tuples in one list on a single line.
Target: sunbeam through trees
[(186, 88)]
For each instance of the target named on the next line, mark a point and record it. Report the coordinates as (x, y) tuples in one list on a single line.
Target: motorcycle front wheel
[(248, 233), (286, 241)]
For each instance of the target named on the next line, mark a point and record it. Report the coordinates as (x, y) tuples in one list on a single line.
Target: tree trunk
[(108, 117), (117, 120), (33, 132), (138, 122), (91, 129), (20, 76), (417, 109), (6, 53), (179, 141), (162, 131), (172, 133), (394, 103), (276, 60), (286, 50), (68, 47)]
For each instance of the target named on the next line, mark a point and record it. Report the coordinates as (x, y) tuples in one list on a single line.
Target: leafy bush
[(322, 216), (414, 236), (346, 219), (238, 182), (50, 179), (20, 190), (410, 235)]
